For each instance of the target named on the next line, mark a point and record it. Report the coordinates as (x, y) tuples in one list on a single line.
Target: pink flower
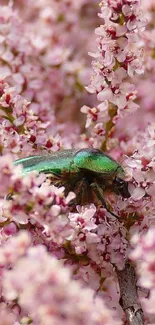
[(97, 238), (7, 317), (43, 70), (14, 248), (118, 58), (48, 294), (144, 256)]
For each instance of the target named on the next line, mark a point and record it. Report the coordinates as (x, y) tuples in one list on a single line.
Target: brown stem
[(128, 295), (109, 125)]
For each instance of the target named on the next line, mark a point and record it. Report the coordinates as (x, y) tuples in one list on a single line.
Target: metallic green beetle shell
[(96, 161), (72, 161), (55, 162)]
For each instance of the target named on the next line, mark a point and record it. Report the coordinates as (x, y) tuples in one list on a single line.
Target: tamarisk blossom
[(46, 205), (138, 212), (46, 53), (21, 64), (7, 316), (118, 58), (146, 84), (47, 294), (34, 200), (100, 241), (141, 166), (37, 202), (39, 87), (24, 67), (20, 128), (14, 248), (83, 236), (144, 256)]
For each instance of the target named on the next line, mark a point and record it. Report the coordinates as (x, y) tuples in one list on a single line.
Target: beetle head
[(121, 187)]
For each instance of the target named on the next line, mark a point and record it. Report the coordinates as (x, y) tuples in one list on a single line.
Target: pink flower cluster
[(14, 248), (20, 128), (34, 201), (46, 290), (59, 264), (140, 168), (100, 240), (144, 256), (118, 59), (39, 56), (146, 85), (7, 316)]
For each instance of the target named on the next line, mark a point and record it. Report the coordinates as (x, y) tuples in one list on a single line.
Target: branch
[(112, 111), (128, 295)]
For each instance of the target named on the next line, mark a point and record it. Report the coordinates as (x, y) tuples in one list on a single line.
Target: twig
[(112, 111), (128, 295)]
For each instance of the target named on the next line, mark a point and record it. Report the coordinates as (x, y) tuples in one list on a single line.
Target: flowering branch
[(54, 297), (43, 69), (144, 257), (118, 59)]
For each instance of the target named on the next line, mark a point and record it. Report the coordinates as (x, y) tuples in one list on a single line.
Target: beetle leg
[(81, 193), (99, 195)]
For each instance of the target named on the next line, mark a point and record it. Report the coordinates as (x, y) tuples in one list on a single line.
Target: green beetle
[(87, 172)]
